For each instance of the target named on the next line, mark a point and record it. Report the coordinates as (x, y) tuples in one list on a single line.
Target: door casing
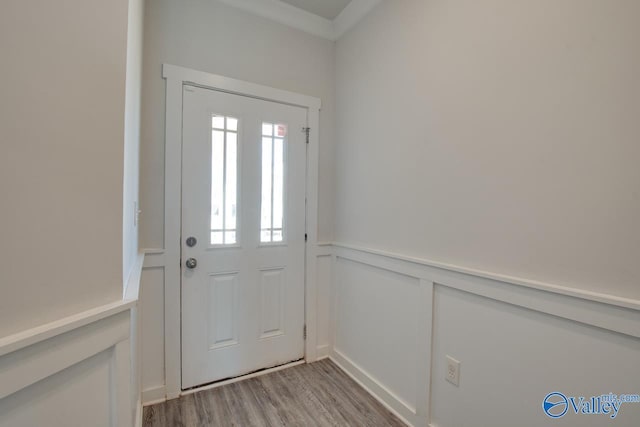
[(176, 77)]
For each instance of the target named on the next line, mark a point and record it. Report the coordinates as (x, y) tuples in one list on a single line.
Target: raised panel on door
[(223, 310), (272, 303)]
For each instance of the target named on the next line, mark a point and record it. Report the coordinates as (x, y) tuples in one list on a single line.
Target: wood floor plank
[(318, 394)]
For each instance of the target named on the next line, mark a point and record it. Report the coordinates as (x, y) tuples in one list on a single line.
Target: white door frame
[(176, 78)]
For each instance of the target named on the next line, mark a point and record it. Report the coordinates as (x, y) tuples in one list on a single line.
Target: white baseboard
[(374, 388), (154, 395), (323, 351)]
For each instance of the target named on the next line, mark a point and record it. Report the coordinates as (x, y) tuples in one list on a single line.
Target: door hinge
[(305, 237), (304, 332), (306, 131)]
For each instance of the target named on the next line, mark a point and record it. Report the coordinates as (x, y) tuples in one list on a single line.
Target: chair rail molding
[(399, 302), (85, 363)]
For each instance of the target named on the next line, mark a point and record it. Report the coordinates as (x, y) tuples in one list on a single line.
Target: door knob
[(191, 263)]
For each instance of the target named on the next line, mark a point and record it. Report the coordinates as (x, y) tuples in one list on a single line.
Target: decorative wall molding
[(613, 313), (132, 289), (360, 272), (102, 340), (45, 358), (98, 340), (154, 258), (514, 281), (377, 389), (152, 329), (15, 342), (294, 17), (323, 351), (154, 395)]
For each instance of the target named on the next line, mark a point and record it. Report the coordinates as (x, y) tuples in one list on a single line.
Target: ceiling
[(328, 9), (329, 19)]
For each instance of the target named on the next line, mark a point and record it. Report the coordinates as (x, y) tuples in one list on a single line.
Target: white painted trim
[(132, 290), (373, 387), (35, 335), (311, 261), (176, 77), (300, 19), (238, 87), (43, 359), (154, 395), (602, 312), (153, 258), (351, 15), (323, 351), (527, 283), (323, 249), (411, 412), (243, 377), (288, 15), (606, 312), (31, 356), (139, 413), (424, 346), (121, 375), (172, 226)]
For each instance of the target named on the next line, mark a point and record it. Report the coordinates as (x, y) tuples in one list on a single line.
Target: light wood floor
[(319, 394)]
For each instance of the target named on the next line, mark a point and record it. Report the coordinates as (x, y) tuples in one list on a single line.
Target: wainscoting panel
[(323, 312), (512, 357), (79, 375), (396, 319), (56, 397), (378, 314), (152, 306), (389, 321)]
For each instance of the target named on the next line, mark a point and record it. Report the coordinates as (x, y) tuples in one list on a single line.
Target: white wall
[(209, 36), (132, 135), (486, 207), (62, 97), (495, 135)]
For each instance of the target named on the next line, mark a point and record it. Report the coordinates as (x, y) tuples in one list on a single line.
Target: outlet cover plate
[(453, 371)]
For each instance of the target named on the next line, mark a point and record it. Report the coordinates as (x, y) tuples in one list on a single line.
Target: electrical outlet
[(453, 371)]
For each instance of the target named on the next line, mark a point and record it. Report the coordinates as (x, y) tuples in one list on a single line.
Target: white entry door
[(243, 235)]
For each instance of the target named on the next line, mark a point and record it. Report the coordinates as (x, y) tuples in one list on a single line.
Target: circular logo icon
[(555, 405)]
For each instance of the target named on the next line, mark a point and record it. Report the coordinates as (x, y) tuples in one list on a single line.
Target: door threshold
[(253, 374)]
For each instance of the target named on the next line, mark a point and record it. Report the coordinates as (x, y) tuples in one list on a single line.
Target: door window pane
[(224, 180), (273, 167)]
